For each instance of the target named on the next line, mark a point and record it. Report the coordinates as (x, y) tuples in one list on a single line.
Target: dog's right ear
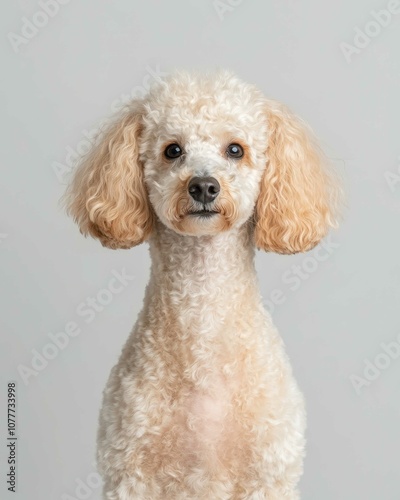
[(107, 197)]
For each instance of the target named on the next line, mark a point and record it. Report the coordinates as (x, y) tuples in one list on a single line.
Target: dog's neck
[(201, 279), (207, 261)]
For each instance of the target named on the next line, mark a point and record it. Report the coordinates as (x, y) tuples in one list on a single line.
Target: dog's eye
[(234, 151), (173, 151)]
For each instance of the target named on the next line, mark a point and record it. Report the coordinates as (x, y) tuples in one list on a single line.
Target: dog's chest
[(208, 421), (207, 409)]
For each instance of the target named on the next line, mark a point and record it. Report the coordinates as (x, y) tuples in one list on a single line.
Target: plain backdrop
[(337, 319)]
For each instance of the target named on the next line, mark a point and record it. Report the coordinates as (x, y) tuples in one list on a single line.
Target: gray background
[(73, 73)]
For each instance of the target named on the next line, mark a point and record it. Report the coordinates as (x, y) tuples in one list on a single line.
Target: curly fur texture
[(299, 196), (202, 403), (107, 197)]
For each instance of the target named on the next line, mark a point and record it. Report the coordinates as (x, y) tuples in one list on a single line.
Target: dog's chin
[(201, 223)]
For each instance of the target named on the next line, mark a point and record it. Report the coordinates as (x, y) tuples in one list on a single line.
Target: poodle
[(202, 403)]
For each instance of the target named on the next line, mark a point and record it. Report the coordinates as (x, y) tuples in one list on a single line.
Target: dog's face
[(205, 154), (203, 150)]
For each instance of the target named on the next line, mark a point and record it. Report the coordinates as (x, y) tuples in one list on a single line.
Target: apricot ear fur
[(298, 196), (107, 197)]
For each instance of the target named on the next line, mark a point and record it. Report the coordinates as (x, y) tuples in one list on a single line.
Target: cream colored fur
[(202, 403)]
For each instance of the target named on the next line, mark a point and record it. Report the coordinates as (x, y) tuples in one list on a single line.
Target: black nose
[(204, 189)]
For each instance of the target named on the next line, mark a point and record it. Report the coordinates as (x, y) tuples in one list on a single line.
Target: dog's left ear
[(298, 196)]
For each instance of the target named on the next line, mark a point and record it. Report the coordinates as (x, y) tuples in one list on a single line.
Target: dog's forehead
[(205, 107)]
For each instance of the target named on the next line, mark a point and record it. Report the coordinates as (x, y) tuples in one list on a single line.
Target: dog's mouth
[(203, 213)]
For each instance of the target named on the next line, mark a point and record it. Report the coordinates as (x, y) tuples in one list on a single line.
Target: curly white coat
[(202, 403)]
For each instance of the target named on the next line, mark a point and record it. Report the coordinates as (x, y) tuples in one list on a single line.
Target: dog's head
[(205, 154)]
